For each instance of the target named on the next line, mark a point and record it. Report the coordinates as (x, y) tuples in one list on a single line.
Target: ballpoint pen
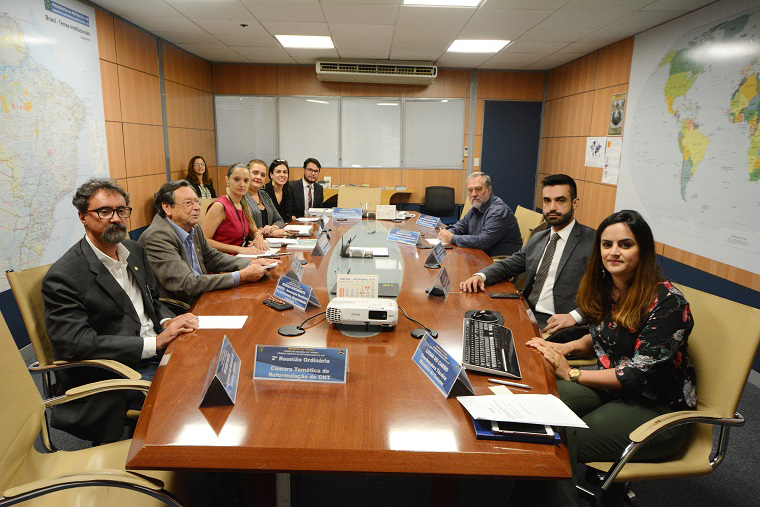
[(507, 383)]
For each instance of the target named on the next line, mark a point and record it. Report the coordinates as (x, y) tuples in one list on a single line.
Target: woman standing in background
[(199, 178)]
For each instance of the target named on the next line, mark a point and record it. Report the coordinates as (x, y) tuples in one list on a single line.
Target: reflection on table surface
[(387, 418)]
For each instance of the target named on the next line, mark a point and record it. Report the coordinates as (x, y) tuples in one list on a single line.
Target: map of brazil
[(52, 132), (691, 155)]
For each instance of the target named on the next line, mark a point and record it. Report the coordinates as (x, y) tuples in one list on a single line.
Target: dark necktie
[(311, 197), (543, 271)]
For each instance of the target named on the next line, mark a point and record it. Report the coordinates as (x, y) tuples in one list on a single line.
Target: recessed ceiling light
[(477, 46), (387, 103), (305, 41), (444, 3), (317, 101)]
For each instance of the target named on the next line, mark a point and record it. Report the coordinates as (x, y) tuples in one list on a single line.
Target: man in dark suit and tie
[(554, 260), (307, 193), (101, 302)]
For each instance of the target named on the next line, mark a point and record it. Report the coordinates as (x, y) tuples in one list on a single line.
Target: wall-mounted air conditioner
[(383, 71)]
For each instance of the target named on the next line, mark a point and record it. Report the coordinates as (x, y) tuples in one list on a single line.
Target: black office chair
[(439, 202)]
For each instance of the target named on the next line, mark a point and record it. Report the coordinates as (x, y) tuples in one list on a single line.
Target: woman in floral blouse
[(639, 326)]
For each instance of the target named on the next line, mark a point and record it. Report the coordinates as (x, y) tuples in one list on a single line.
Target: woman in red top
[(228, 225)]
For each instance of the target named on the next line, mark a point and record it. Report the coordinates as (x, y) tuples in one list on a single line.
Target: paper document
[(433, 241), (301, 230), (306, 220), (221, 321), (523, 408), (280, 241), (319, 211), (263, 254)]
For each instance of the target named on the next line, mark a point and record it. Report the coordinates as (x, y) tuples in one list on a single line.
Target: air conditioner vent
[(420, 73)]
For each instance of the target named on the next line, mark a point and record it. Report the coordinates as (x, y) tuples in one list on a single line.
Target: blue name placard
[(428, 221), (403, 236), (222, 378), (435, 259), (347, 214), (445, 372), (296, 293), (301, 364)]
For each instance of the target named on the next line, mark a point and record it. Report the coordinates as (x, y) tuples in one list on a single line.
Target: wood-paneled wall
[(578, 100), (129, 68), (132, 104)]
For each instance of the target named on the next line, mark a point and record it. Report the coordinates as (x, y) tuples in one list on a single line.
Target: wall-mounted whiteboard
[(309, 127), (434, 133), (371, 132), (246, 128)]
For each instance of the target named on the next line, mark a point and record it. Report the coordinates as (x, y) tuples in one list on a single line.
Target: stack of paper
[(522, 408), (299, 230), (263, 254), (277, 242), (306, 220), (318, 211), (302, 245)]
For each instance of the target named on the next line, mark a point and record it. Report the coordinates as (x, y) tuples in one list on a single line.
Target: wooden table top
[(387, 418)]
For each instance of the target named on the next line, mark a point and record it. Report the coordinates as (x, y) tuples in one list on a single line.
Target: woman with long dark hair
[(199, 178), (278, 190), (639, 326)]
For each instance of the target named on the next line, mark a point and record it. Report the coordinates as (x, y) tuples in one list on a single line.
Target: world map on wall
[(692, 144), (52, 133)]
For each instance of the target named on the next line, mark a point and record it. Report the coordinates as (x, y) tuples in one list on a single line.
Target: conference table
[(388, 418)]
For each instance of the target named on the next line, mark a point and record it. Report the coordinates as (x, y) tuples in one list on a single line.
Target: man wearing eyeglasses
[(185, 264), (307, 193), (101, 302)]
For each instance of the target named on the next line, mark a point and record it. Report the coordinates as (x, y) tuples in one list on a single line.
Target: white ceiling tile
[(566, 34), (199, 37), (623, 5), (177, 24), (367, 14), (415, 54), (218, 9), (342, 44), (522, 4), (379, 2), (676, 5), (214, 53), (554, 60), (427, 32), (311, 55), (225, 25), (239, 36), (365, 54), (511, 61), (462, 60), (583, 19), (441, 16), (580, 47), (362, 31), (144, 8), (644, 20), (286, 28), (259, 54), (544, 48), (502, 23), (286, 11)]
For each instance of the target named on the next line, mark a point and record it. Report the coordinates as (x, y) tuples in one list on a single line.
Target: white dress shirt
[(545, 303), (125, 279)]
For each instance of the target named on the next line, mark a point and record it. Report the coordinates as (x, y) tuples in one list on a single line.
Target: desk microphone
[(419, 333)]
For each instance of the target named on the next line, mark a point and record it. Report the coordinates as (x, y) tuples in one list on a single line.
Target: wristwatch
[(574, 374)]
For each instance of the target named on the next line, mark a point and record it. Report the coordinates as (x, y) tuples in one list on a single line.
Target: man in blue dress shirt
[(489, 226)]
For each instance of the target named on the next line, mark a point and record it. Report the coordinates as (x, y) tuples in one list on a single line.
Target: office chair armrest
[(98, 387), (107, 475), (665, 421), (106, 364)]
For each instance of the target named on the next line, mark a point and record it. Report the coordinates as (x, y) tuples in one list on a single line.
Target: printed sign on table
[(445, 372), (221, 383), (296, 293), (300, 364)]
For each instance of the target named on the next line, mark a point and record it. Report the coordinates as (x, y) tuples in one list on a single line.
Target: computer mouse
[(485, 316)]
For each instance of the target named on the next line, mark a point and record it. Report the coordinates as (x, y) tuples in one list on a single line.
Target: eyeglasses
[(189, 203), (105, 213), (311, 170), (199, 164)]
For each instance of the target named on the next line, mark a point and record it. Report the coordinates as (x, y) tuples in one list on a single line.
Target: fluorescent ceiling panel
[(444, 3), (305, 41), (477, 46)]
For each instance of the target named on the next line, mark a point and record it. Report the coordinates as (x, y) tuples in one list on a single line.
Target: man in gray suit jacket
[(101, 302), (554, 260), (179, 254)]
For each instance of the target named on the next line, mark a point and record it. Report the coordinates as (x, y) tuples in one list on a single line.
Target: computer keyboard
[(488, 347)]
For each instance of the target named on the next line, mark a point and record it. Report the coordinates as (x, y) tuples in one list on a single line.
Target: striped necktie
[(543, 271)]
